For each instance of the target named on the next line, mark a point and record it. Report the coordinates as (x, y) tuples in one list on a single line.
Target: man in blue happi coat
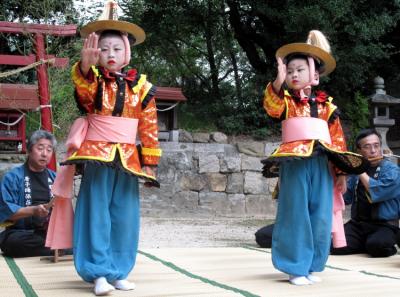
[(24, 200), (375, 202)]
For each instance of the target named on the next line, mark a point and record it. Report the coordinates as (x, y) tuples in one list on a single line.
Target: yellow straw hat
[(109, 21), (311, 48)]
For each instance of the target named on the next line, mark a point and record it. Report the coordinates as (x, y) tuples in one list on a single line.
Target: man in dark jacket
[(375, 199), (24, 200)]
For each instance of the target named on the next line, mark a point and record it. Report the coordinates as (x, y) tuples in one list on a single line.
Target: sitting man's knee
[(10, 248), (347, 250), (380, 249)]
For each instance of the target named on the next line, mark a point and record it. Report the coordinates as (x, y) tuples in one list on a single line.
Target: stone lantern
[(380, 103)]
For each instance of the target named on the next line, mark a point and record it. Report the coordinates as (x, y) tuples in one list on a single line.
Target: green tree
[(358, 114), (191, 44), (40, 12), (222, 52), (359, 32)]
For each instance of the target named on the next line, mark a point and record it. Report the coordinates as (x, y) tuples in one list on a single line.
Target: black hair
[(40, 134), (290, 57), (107, 33), (365, 133)]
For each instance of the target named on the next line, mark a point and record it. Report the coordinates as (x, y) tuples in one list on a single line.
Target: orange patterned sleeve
[(85, 87), (337, 135), (273, 104), (335, 129), (148, 131)]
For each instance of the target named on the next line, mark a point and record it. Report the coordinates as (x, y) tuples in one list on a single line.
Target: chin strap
[(312, 82)]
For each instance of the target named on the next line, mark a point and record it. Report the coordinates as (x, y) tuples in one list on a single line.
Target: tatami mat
[(210, 272), (8, 283)]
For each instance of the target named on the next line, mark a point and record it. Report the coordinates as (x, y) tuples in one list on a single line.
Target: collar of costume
[(318, 96), (131, 75)]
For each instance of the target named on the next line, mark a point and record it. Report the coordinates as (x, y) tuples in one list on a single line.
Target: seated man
[(375, 199), (24, 197)]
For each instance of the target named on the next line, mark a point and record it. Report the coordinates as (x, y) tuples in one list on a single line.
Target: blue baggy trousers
[(106, 224), (302, 231)]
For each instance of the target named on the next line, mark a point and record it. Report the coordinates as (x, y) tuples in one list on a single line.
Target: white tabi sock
[(102, 287), (124, 285), (299, 280), (314, 278)]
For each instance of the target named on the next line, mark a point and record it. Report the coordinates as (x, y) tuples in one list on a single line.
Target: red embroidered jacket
[(286, 107), (98, 94)]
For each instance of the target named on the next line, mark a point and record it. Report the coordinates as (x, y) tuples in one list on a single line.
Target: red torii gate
[(27, 92)]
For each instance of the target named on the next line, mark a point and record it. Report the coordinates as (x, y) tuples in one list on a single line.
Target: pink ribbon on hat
[(127, 49), (312, 82)]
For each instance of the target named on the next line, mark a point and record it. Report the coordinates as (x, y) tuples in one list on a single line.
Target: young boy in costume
[(118, 105), (311, 136)]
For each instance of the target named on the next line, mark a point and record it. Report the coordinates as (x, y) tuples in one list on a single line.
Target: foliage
[(357, 112), (192, 120), (189, 44), (62, 90), (41, 12), (358, 32), (34, 12), (38, 11), (222, 52)]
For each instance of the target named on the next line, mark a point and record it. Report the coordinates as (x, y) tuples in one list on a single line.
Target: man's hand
[(90, 53), (30, 211), (40, 211)]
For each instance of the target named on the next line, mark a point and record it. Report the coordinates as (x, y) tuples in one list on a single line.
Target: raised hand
[(90, 53), (281, 75)]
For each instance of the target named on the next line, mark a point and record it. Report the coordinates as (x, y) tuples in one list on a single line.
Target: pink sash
[(305, 128), (338, 234), (94, 127), (112, 129)]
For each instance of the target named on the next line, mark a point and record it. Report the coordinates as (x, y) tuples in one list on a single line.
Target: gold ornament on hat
[(109, 21), (317, 46)]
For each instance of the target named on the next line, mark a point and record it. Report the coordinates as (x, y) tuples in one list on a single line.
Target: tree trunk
[(232, 56), (210, 55)]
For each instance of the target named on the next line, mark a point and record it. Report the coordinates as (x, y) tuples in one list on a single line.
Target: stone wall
[(211, 179), (9, 161)]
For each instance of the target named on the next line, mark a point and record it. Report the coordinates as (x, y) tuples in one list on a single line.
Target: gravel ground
[(184, 232), (213, 232)]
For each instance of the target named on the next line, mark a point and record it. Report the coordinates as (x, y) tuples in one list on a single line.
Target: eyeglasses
[(370, 146)]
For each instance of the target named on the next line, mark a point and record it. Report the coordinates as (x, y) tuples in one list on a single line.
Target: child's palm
[(281, 71), (90, 56), (90, 52)]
